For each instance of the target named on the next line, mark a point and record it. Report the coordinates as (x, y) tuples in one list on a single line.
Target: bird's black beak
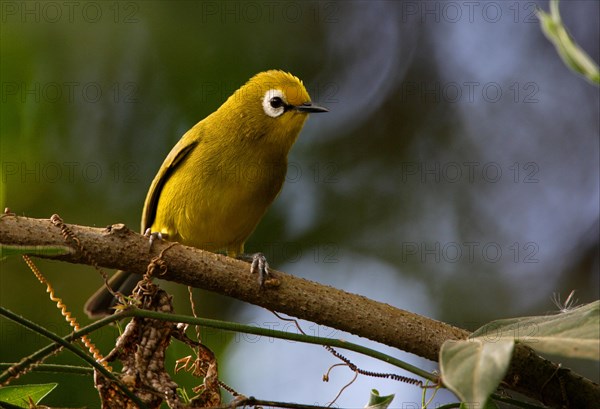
[(309, 107)]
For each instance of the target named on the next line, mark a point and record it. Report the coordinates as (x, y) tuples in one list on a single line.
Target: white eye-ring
[(274, 103)]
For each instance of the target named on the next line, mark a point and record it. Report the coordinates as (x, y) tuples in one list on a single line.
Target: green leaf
[(488, 405), (9, 250), (19, 395), (473, 369), (571, 54), (4, 405), (572, 334), (379, 402)]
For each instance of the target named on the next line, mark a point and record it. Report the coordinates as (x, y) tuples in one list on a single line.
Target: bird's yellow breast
[(218, 194)]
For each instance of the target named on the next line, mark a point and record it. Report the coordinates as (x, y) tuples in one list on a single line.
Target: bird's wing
[(179, 152)]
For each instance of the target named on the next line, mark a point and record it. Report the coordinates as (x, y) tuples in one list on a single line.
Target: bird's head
[(272, 106)]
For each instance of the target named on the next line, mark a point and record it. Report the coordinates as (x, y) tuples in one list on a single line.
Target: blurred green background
[(457, 174)]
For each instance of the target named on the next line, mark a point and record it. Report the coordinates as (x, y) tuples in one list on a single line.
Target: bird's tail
[(100, 304)]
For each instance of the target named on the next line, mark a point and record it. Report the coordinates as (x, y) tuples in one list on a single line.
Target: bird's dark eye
[(276, 102), (273, 103)]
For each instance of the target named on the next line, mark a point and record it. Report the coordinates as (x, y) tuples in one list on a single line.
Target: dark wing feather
[(173, 160)]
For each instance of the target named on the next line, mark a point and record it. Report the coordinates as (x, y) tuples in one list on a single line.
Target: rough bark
[(118, 247)]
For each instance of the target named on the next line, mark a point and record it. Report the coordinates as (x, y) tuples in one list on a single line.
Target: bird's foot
[(152, 236), (258, 265)]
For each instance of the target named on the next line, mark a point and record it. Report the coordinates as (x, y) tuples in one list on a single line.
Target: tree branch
[(118, 247)]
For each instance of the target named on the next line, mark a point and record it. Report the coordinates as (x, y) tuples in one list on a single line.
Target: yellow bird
[(223, 174)]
